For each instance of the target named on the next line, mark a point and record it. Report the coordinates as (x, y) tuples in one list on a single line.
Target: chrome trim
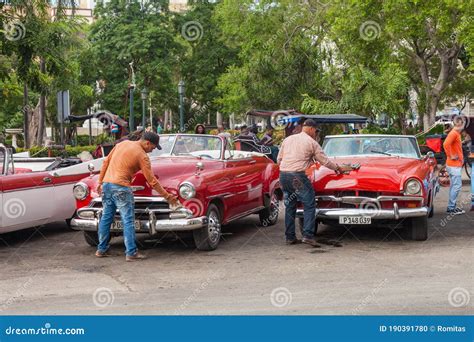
[(192, 187), (375, 214), (84, 185), (249, 212), (138, 199), (359, 199), (159, 226)]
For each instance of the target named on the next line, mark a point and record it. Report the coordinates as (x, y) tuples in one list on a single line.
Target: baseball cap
[(153, 138), (311, 123)]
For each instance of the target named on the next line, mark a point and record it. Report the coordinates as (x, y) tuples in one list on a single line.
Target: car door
[(246, 185), (27, 200)]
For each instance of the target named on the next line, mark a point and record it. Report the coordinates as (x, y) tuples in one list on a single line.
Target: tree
[(425, 38), (135, 32)]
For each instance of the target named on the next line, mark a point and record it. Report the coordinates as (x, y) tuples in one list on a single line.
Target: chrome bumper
[(372, 208), (375, 214), (88, 219)]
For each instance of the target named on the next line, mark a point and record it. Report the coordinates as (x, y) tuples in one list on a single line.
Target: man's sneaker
[(455, 211), (293, 242), (100, 254), (311, 242), (135, 257)]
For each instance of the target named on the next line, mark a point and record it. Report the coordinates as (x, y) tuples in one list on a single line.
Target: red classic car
[(216, 185), (394, 183), (36, 191)]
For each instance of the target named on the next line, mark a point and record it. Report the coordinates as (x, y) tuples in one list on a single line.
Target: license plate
[(355, 220), (118, 225)]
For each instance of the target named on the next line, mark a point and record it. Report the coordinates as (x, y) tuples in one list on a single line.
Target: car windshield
[(203, 146), (405, 147)]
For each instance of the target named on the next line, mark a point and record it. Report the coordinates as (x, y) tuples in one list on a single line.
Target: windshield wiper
[(380, 152)]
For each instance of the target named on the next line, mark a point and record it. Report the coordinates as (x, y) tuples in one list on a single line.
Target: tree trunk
[(33, 126), (166, 120), (219, 119), (26, 114)]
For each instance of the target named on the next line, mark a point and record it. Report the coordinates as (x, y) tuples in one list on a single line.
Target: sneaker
[(455, 211), (311, 242), (100, 254), (135, 257), (293, 242)]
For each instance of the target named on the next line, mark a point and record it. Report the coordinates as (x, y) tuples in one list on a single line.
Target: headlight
[(80, 191), (413, 187), (187, 191)]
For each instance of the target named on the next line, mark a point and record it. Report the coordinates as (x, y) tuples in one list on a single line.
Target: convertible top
[(291, 115)]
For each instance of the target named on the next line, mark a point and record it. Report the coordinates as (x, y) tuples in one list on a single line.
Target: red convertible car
[(37, 191), (392, 183), (215, 185)]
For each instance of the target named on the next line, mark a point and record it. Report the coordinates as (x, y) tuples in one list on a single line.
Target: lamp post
[(131, 121), (181, 90), (144, 94)]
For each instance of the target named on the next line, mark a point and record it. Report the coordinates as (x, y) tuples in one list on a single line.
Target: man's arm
[(449, 148), (323, 159), (103, 169), (280, 153), (145, 167)]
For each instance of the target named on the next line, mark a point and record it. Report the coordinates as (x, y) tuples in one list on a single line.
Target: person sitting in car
[(250, 142)]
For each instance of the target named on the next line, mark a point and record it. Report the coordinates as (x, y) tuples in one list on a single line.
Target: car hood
[(381, 174), (171, 172)]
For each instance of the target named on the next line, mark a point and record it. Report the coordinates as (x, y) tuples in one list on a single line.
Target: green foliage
[(70, 151)]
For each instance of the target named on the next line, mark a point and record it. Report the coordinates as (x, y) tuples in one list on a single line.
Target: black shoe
[(293, 242), (311, 242)]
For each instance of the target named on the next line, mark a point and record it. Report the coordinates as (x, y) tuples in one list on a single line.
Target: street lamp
[(181, 90), (144, 94)]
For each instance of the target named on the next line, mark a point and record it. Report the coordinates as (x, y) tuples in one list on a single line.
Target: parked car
[(395, 184), (215, 185), (38, 192)]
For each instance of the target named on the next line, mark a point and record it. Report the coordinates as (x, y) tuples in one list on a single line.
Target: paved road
[(52, 271)]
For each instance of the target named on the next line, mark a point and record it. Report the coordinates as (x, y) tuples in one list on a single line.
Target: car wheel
[(417, 228), (207, 238), (92, 238), (301, 225), (269, 215)]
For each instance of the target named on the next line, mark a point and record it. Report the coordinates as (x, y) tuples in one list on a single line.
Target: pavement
[(51, 270)]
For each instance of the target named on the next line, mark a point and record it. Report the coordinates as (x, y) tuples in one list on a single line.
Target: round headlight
[(187, 191), (80, 191), (413, 187)]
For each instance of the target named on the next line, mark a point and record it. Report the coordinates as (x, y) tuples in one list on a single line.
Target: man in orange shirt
[(454, 161), (120, 166)]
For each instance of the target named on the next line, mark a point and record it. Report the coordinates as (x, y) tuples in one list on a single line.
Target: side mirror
[(91, 169), (199, 167), (429, 155)]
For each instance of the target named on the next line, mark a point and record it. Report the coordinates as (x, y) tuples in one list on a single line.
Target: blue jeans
[(297, 187), (117, 197), (456, 185)]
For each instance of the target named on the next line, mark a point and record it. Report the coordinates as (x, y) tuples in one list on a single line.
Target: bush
[(70, 151)]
